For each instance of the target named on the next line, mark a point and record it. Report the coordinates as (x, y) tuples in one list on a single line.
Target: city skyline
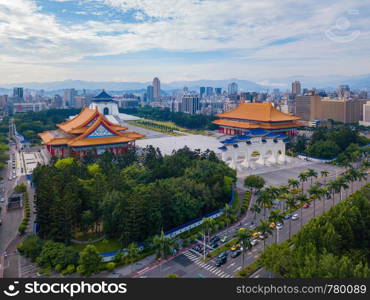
[(134, 41)]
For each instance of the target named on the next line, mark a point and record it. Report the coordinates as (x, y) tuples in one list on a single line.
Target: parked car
[(214, 245), (214, 239), (223, 239), (235, 253), (295, 217), (2, 199), (279, 226), (287, 216), (254, 242), (306, 205)]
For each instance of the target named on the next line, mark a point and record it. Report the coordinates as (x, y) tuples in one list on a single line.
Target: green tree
[(244, 235), (90, 260)]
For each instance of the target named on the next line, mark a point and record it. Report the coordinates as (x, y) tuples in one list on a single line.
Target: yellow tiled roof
[(264, 112), (84, 117), (246, 125)]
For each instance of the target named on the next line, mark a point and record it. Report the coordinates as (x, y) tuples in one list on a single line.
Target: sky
[(136, 40)]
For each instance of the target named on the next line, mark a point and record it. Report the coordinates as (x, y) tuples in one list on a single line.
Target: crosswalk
[(194, 257)]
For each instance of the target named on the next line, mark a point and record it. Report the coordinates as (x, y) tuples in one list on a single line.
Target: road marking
[(237, 269), (233, 264)]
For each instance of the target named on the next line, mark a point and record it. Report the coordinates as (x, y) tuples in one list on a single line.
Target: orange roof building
[(249, 116), (89, 131)]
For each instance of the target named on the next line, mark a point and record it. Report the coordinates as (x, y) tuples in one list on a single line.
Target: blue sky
[(136, 40)]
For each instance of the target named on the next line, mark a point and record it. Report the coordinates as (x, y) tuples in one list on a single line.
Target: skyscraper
[(150, 93), (69, 97), (156, 89), (209, 91), (218, 91), (296, 88), (18, 93), (232, 88), (190, 103), (202, 91)]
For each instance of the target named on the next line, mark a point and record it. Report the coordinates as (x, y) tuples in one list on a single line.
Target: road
[(189, 263)]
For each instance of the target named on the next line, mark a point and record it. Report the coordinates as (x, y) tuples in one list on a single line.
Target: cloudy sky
[(135, 40)]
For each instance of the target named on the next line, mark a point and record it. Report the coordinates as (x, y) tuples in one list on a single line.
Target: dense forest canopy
[(198, 122), (334, 245), (31, 123), (131, 197)]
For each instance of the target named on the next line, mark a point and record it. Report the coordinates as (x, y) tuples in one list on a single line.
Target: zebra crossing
[(194, 257)]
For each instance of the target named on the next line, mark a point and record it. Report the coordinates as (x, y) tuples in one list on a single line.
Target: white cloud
[(28, 36)]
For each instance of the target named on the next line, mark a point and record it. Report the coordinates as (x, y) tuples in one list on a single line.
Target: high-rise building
[(57, 101), (366, 114), (343, 91), (218, 91), (232, 88), (202, 91), (156, 89), (209, 91), (69, 97), (150, 93), (18, 93), (314, 107), (190, 103), (296, 88)]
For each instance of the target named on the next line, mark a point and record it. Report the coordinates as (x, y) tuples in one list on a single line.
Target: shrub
[(31, 247), (192, 238), (22, 229), (110, 266), (69, 270), (81, 269), (185, 243)]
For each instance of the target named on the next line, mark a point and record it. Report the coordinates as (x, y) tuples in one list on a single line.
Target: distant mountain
[(326, 82), (119, 86)]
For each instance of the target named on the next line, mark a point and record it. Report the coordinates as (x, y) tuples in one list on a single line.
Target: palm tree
[(276, 217), (132, 253), (311, 173), (342, 184), (265, 229), (325, 194), (256, 209), (361, 175), (264, 200), (293, 183), (302, 199), (244, 235), (207, 226), (314, 192), (303, 178), (333, 188), (162, 246), (227, 210), (291, 202), (324, 174), (351, 175)]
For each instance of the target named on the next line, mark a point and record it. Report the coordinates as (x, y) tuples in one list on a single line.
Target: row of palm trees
[(289, 197)]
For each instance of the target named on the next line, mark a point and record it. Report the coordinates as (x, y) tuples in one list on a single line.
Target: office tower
[(190, 103), (296, 88), (218, 91), (232, 88), (366, 114), (156, 89), (69, 97), (18, 93), (150, 93), (202, 91), (343, 91), (209, 91), (57, 101)]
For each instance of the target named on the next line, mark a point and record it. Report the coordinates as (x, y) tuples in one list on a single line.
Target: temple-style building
[(249, 116), (89, 131)]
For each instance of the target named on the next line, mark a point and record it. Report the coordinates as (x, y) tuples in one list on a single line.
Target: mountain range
[(326, 82)]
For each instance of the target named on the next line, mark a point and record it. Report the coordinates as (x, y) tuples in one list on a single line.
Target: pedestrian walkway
[(212, 269)]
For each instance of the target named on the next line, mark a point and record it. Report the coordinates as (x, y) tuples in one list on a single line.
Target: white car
[(279, 226), (2, 199), (254, 242), (295, 217)]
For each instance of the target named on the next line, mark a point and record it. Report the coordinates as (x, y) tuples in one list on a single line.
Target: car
[(254, 242), (214, 245), (255, 235), (279, 226), (287, 216), (306, 205), (1, 222), (223, 239), (272, 225), (10, 178), (2, 199), (295, 217), (235, 253), (14, 176), (252, 226), (214, 239), (261, 236), (220, 261), (235, 247), (222, 254)]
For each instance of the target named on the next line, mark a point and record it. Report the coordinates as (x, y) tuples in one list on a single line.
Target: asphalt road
[(189, 263)]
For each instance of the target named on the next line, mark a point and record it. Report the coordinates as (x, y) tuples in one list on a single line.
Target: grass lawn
[(87, 236), (102, 246)]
